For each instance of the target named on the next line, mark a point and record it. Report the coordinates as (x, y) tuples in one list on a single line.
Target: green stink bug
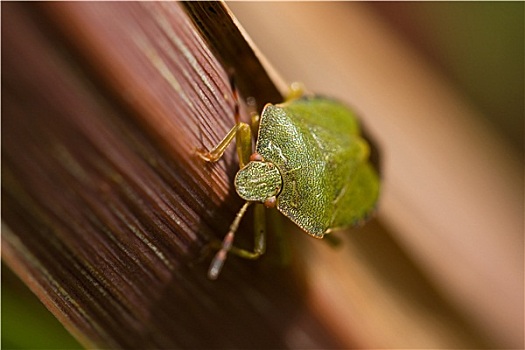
[(310, 162)]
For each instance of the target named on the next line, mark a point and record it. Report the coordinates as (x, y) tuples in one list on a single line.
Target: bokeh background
[(440, 86)]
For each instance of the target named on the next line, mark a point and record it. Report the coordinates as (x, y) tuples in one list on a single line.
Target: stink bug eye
[(270, 202), (256, 157), (311, 162)]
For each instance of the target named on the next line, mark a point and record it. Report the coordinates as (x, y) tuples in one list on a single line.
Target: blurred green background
[(479, 46), (26, 323)]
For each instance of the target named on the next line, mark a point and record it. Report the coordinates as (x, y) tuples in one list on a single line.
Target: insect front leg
[(242, 133), (216, 153), (259, 238), (244, 144)]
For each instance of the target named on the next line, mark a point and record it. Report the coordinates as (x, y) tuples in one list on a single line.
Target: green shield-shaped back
[(328, 181)]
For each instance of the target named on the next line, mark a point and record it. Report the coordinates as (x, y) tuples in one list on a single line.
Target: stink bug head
[(258, 181)]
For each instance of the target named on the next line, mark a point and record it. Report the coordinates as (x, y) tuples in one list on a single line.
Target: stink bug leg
[(227, 243), (243, 139), (238, 131), (216, 153), (296, 91)]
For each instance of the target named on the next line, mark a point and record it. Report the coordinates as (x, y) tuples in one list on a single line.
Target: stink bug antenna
[(220, 257), (235, 93)]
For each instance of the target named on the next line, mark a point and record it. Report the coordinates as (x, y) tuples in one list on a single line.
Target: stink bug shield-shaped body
[(327, 181), (310, 162)]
